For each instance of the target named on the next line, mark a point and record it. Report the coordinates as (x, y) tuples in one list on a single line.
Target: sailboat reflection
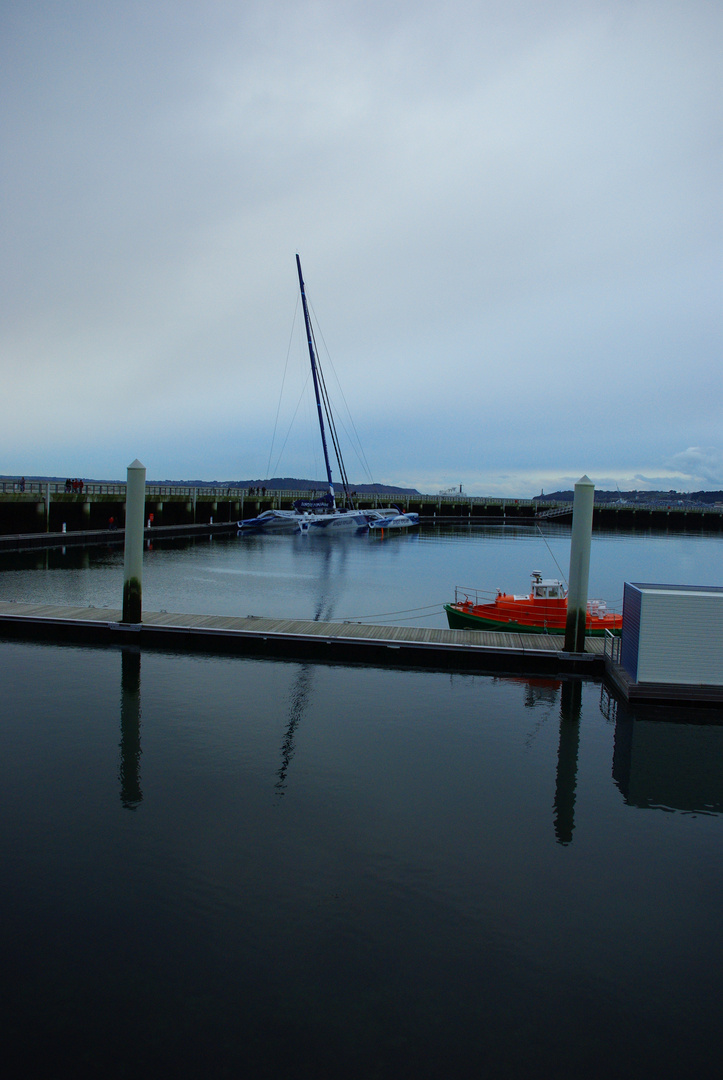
[(302, 687), (130, 745), (300, 693)]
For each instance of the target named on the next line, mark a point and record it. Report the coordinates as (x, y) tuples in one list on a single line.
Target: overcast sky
[(508, 214)]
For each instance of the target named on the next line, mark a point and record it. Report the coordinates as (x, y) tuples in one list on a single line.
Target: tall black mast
[(312, 357)]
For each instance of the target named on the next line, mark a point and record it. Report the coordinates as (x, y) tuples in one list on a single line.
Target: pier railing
[(41, 487), (463, 594), (458, 505), (611, 646)]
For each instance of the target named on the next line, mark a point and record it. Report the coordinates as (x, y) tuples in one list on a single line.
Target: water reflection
[(541, 692), (669, 765), (300, 693), (302, 687), (130, 719), (566, 782), (568, 692), (663, 758)]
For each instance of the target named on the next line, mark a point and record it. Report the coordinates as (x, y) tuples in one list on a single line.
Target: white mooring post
[(133, 556), (579, 565)]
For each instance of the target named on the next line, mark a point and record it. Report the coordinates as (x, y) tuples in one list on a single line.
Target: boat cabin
[(547, 588)]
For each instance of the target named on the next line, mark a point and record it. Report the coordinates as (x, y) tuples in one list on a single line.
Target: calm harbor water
[(220, 866), (400, 578)]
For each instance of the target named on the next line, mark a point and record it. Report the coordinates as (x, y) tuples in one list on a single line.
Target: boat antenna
[(312, 357)]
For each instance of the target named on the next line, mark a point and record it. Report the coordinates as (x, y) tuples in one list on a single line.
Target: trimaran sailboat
[(323, 514)]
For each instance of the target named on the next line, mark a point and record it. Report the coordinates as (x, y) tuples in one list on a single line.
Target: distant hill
[(290, 483), (707, 497), (276, 483)]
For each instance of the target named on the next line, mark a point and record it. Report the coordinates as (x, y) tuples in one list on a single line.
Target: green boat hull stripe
[(459, 620)]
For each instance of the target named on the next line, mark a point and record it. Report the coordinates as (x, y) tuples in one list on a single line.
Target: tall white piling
[(579, 564), (133, 555)]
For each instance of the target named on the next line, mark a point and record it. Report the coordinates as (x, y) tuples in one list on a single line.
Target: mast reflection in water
[(130, 744), (301, 690)]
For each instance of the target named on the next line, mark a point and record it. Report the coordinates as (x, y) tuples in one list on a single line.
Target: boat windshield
[(548, 590)]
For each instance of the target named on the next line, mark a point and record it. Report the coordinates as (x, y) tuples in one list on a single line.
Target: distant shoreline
[(276, 483)]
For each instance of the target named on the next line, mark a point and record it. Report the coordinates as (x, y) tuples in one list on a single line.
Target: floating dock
[(307, 640), (660, 693)]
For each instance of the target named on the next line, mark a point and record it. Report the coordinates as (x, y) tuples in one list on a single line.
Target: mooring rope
[(428, 608)]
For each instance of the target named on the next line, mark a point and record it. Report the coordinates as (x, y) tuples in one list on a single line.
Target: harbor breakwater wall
[(48, 507)]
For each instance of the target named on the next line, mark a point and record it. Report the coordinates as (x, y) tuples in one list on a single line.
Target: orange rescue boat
[(542, 611)]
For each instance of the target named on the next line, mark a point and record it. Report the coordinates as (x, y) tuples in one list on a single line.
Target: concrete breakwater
[(48, 507)]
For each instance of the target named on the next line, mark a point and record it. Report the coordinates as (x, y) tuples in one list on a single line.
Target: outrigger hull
[(392, 518), (272, 521)]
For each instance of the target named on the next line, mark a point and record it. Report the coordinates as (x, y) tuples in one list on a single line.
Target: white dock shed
[(673, 634)]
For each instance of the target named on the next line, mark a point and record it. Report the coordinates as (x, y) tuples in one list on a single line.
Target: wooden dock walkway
[(348, 642), (304, 640)]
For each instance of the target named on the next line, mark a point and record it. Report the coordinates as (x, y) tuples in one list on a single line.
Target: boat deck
[(416, 646)]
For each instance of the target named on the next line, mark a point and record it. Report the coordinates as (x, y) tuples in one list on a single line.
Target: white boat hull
[(273, 521), (392, 519), (286, 521), (338, 522)]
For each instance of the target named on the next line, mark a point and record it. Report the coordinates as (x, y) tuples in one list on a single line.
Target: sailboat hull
[(273, 521), (392, 518), (338, 522)]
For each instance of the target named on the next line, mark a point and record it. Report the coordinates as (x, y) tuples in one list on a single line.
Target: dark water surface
[(223, 867)]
